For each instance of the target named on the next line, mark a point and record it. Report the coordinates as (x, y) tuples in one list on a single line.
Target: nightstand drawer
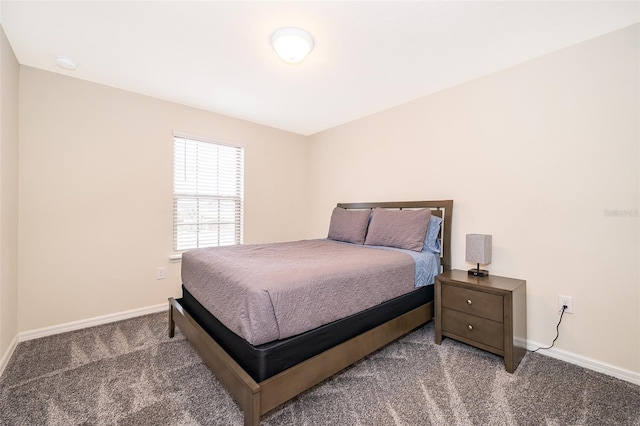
[(485, 305), (472, 327)]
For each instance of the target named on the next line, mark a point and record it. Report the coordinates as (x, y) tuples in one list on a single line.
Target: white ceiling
[(368, 56)]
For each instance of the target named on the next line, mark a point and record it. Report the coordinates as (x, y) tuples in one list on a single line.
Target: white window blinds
[(207, 194)]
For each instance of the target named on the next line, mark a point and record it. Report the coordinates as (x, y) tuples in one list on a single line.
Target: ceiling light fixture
[(292, 44), (65, 62)]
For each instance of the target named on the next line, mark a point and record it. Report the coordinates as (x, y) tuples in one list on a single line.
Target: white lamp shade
[(478, 248), (292, 44)]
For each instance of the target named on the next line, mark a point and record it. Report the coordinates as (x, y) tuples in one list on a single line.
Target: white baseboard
[(7, 354), (591, 364), (90, 322)]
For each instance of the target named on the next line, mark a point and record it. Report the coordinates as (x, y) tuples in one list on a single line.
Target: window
[(207, 194)]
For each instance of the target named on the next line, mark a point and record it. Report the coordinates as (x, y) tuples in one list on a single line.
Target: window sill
[(176, 257)]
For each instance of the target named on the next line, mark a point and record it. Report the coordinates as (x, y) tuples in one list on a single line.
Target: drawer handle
[(468, 301), (470, 327)]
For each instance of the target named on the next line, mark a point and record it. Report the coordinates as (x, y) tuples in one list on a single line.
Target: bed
[(262, 370)]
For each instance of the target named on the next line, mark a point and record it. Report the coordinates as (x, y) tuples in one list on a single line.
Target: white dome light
[(292, 44)]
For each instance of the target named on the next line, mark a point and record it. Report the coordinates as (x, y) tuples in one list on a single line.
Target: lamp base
[(478, 272)]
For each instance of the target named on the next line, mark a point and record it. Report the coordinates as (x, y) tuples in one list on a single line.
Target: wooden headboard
[(443, 208)]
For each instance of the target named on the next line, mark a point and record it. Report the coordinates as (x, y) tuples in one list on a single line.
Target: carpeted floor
[(131, 373)]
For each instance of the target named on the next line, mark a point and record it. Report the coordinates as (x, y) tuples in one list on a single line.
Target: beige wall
[(533, 155), (96, 195), (8, 195)]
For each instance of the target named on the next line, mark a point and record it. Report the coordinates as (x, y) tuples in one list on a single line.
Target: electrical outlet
[(565, 300), (160, 273)]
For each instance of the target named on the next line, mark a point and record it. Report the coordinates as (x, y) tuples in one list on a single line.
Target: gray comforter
[(267, 292)]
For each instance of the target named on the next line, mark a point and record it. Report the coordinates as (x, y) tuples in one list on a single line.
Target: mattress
[(269, 292), (266, 360)]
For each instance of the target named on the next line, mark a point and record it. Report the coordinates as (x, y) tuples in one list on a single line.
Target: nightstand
[(489, 313)]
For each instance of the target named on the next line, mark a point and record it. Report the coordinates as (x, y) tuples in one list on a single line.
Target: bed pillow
[(349, 225), (431, 242), (405, 229)]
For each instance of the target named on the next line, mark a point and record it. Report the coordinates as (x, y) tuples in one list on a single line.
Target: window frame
[(238, 197)]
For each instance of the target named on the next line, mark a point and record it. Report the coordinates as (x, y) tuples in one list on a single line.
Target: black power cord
[(564, 308)]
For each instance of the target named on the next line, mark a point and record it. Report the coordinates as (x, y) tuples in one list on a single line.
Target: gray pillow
[(349, 225), (405, 229)]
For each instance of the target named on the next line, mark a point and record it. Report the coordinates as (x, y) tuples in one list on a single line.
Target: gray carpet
[(131, 373)]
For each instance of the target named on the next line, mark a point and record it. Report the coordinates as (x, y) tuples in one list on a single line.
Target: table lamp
[(478, 251)]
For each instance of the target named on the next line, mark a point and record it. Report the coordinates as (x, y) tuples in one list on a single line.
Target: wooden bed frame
[(256, 399)]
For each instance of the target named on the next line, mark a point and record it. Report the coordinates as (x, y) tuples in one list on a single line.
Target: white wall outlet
[(160, 273), (565, 300)]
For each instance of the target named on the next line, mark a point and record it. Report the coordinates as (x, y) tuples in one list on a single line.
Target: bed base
[(256, 399)]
